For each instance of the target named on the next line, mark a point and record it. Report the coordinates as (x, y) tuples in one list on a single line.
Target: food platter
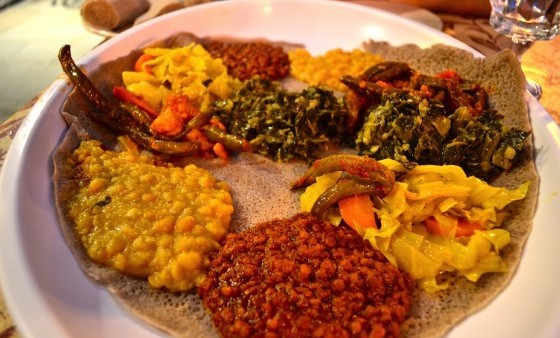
[(49, 296)]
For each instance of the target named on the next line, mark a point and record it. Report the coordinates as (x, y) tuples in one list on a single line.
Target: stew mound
[(301, 277)]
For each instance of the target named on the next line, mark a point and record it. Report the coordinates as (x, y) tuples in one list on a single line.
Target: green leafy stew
[(283, 125)]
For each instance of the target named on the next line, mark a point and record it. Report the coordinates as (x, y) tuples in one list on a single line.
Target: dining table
[(540, 63)]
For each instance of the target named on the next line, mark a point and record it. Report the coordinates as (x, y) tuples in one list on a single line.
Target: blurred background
[(31, 33)]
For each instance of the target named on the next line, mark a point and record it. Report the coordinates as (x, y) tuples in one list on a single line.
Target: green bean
[(343, 188), (230, 141), (359, 166), (160, 146), (361, 87), (138, 114), (385, 71), (200, 119), (174, 148)]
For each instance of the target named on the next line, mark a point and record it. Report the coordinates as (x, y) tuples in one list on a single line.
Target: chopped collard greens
[(438, 120), (281, 124)]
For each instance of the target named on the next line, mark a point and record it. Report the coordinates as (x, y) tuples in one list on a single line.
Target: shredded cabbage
[(449, 196), (188, 70)]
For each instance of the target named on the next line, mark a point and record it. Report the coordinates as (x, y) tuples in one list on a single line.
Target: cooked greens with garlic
[(283, 125), (411, 117)]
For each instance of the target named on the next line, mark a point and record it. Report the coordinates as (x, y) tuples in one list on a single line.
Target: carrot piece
[(357, 211), (181, 105), (220, 151), (167, 123), (139, 64), (465, 228), (436, 228), (449, 74), (124, 95), (195, 135), (214, 121)]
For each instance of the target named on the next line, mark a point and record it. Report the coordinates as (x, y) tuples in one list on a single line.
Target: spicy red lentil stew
[(301, 277)]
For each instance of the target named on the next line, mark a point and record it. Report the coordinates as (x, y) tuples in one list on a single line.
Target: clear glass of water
[(524, 22)]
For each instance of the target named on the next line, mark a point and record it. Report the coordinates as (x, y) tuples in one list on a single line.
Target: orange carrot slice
[(357, 211)]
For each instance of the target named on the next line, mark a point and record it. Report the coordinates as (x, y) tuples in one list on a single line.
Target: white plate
[(410, 12), (405, 10), (48, 295)]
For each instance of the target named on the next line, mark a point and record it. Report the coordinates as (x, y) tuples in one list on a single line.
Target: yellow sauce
[(144, 220)]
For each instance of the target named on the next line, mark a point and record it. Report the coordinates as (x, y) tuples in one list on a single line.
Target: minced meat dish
[(301, 277)]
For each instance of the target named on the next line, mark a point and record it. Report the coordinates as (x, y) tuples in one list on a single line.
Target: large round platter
[(49, 296)]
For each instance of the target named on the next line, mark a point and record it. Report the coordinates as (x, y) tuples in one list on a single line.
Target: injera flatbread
[(260, 189)]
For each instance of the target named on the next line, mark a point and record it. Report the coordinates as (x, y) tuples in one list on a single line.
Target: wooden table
[(541, 63)]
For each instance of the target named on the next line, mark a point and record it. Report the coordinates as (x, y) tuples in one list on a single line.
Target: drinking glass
[(524, 22)]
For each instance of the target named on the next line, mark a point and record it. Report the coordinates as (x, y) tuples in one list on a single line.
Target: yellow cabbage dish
[(188, 70), (446, 195)]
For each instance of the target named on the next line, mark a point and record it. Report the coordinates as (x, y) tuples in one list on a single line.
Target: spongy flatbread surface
[(260, 190)]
